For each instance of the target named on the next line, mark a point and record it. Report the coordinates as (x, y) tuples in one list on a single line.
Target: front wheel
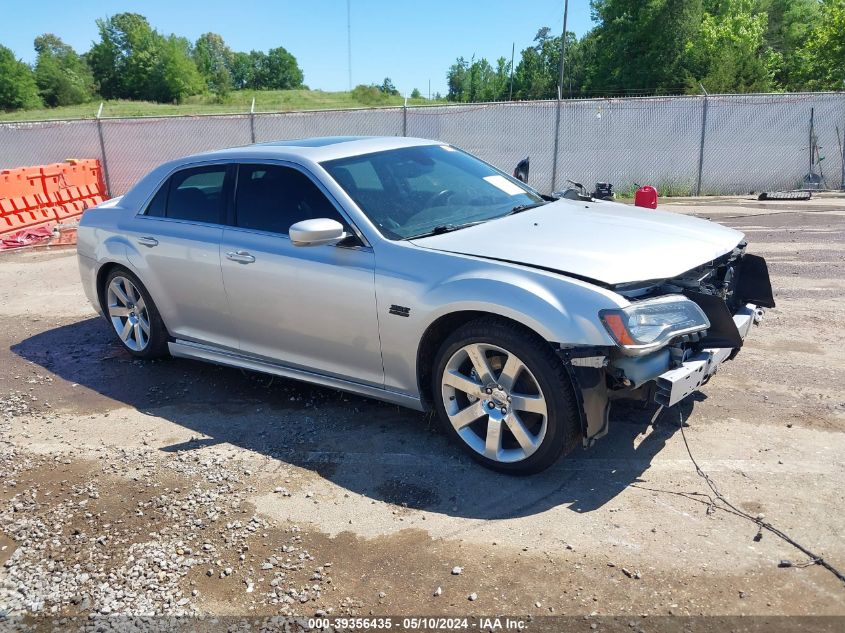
[(503, 393)]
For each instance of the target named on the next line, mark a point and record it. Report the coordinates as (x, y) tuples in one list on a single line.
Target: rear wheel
[(502, 392), (133, 315)]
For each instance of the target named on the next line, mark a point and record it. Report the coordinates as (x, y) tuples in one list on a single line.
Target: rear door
[(178, 241), (310, 307)]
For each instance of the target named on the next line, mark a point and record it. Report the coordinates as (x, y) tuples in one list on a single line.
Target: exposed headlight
[(648, 325)]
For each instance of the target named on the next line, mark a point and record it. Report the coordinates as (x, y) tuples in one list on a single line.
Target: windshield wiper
[(525, 207), (445, 228)]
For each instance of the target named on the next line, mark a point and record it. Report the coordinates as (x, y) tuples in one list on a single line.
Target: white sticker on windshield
[(500, 182)]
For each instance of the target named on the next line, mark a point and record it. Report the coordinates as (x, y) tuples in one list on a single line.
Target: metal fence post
[(405, 118), (103, 149), (557, 141), (841, 160), (701, 144), (252, 121)]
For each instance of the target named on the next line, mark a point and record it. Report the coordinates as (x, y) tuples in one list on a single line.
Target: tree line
[(672, 47), (132, 60)]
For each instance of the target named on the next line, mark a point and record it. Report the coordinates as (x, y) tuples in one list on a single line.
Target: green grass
[(665, 189), (236, 102)]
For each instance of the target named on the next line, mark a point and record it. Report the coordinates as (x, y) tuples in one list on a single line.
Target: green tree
[(641, 47), (538, 72), (258, 72), (134, 61), (790, 25), (457, 80), (826, 48), (62, 76), (499, 84), (730, 54), (388, 88), (174, 75), (214, 61), (579, 59), (242, 71), (124, 59), (277, 70), (415, 94), (477, 80), (369, 95), (17, 83)]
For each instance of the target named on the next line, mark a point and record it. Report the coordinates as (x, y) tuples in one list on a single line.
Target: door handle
[(242, 257), (148, 241)]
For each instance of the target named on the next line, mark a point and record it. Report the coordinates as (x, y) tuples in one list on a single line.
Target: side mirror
[(316, 232), (521, 170)]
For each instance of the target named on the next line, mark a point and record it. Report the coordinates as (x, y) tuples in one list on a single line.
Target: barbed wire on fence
[(713, 144)]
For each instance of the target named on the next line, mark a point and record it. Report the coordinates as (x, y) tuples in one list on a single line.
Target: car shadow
[(378, 450)]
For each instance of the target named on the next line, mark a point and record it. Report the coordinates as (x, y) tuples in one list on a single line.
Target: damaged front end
[(683, 329)]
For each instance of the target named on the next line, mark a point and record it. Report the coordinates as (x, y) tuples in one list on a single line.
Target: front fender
[(559, 311)]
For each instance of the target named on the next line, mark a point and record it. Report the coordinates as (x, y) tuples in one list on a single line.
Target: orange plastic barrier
[(46, 194), (22, 187)]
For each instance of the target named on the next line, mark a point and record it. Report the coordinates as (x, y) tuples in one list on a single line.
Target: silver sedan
[(410, 271)]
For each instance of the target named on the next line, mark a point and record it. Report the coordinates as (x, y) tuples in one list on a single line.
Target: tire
[(520, 429), (133, 315)]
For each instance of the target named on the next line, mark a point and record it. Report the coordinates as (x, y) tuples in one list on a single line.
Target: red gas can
[(646, 197)]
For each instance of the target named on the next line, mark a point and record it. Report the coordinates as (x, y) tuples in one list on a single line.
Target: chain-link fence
[(720, 144)]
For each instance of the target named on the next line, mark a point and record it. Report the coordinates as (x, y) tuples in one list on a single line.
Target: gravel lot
[(175, 487)]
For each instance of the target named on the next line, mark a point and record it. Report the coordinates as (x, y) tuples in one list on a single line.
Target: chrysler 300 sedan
[(410, 271)]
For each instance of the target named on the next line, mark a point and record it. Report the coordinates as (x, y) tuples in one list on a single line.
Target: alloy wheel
[(128, 313), (494, 402)]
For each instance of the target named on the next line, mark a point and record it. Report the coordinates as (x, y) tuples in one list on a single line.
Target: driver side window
[(272, 198)]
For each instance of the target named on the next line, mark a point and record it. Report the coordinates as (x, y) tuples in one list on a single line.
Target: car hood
[(607, 242)]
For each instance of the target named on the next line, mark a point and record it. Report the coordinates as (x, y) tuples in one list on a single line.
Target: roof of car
[(318, 149)]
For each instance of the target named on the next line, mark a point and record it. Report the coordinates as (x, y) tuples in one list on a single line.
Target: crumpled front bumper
[(676, 384)]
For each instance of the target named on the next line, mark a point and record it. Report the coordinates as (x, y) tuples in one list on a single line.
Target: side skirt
[(197, 351)]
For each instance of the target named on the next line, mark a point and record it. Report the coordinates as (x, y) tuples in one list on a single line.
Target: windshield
[(416, 191)]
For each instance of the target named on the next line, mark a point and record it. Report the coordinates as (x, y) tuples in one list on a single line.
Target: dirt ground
[(179, 488)]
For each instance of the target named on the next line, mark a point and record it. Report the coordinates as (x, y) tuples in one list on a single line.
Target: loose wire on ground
[(726, 506)]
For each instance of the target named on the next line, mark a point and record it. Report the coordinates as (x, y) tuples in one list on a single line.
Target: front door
[(309, 307)]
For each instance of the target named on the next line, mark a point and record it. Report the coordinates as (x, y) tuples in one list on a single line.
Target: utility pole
[(513, 50), (559, 94), (429, 89), (563, 47), (349, 39)]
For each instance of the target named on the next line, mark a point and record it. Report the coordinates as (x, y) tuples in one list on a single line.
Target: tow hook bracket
[(596, 362)]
